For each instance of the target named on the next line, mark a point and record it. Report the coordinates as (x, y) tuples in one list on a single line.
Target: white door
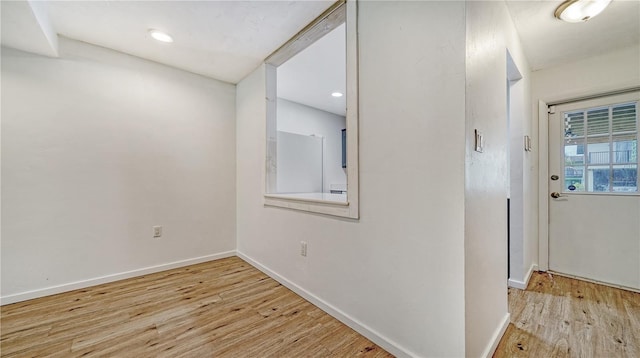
[(594, 208)]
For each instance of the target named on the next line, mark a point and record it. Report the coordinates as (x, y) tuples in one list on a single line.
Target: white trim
[(497, 336), (543, 186), (23, 296), (353, 110), (326, 207), (301, 197), (377, 338), (523, 284), (592, 93)]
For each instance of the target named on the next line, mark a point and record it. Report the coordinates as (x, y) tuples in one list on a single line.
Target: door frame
[(543, 161), (543, 186)]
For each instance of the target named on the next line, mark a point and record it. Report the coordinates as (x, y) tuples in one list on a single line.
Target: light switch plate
[(479, 141), (527, 143)]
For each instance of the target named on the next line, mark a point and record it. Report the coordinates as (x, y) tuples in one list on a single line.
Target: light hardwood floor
[(562, 317), (223, 308)]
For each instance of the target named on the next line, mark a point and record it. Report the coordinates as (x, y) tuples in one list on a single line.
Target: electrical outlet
[(157, 231), (303, 248)]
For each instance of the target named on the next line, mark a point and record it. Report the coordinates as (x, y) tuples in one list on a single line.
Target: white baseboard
[(23, 296), (520, 284), (497, 336), (359, 327)]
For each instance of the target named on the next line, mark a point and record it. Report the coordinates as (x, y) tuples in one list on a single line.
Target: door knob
[(555, 195)]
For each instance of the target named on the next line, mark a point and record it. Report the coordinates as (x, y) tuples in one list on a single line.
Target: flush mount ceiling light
[(580, 10), (337, 94), (160, 36)]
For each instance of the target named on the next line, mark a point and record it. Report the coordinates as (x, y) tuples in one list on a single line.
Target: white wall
[(97, 147), (490, 32), (398, 272), (608, 72), (300, 119)]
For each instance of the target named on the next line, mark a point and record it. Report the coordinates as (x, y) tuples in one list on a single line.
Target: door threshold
[(622, 287)]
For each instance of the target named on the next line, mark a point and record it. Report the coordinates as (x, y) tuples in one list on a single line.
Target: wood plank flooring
[(563, 317), (223, 308)]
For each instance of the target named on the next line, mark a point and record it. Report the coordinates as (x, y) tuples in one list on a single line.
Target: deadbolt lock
[(555, 177)]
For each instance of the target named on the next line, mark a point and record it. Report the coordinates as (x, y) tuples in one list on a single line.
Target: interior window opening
[(310, 117), (311, 161)]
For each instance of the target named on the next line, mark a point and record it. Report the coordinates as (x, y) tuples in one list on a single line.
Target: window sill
[(321, 203)]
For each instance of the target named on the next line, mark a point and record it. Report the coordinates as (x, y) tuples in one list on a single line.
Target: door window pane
[(598, 121), (574, 124), (625, 178), (598, 178), (625, 148), (573, 153), (598, 150), (624, 118), (574, 178)]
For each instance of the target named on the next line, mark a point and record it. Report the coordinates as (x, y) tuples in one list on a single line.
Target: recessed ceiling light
[(337, 94), (580, 10), (160, 36)]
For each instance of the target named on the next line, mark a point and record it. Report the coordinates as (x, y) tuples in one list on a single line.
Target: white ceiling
[(319, 70), (226, 40), (548, 41)]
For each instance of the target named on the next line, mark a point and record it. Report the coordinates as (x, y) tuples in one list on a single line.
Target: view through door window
[(601, 149)]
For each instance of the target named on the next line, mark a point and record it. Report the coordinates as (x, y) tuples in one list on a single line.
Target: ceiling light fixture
[(580, 10), (160, 36), (337, 94)]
